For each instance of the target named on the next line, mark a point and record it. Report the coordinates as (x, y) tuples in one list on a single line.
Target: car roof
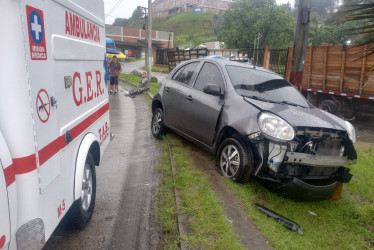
[(224, 63)]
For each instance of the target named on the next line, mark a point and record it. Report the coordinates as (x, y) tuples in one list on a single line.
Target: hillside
[(190, 29)]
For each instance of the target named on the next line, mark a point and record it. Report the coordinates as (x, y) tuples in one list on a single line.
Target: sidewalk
[(128, 67)]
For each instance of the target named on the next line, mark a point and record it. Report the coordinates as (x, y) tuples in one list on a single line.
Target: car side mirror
[(212, 89)]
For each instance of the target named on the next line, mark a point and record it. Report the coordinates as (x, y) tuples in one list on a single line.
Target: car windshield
[(264, 86)]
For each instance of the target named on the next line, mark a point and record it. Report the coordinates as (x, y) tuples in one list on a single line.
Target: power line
[(114, 8)]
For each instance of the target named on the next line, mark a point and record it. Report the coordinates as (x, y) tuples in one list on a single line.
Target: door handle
[(189, 98), (167, 89)]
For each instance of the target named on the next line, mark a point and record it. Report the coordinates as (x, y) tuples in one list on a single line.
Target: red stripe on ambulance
[(28, 164), (10, 175)]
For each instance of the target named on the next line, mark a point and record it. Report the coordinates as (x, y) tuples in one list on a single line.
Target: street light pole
[(149, 38)]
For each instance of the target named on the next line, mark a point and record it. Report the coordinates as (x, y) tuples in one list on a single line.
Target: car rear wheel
[(157, 126), (232, 160)]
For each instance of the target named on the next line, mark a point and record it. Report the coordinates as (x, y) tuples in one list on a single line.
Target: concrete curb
[(181, 218)]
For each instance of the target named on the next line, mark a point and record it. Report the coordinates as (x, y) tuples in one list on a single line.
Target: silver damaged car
[(256, 123)]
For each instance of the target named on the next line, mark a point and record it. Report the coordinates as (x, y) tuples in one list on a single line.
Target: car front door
[(174, 91), (200, 111)]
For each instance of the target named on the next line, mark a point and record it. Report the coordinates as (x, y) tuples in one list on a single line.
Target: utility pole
[(149, 37), (300, 43)]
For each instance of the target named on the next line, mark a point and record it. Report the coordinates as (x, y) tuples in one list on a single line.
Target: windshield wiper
[(292, 104), (271, 101), (259, 98)]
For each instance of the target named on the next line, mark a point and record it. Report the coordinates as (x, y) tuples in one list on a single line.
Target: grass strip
[(135, 60), (209, 228), (134, 79), (158, 69), (344, 224)]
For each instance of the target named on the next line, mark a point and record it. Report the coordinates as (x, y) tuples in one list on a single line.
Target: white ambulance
[(54, 115)]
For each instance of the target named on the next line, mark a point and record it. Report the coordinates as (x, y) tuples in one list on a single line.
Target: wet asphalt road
[(124, 216)]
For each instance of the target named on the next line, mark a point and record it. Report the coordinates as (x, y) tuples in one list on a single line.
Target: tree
[(330, 32), (120, 22), (322, 7), (289, 8), (245, 19), (124, 22), (363, 13)]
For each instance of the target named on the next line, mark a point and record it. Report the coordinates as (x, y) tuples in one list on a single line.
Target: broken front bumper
[(299, 190), (317, 160)]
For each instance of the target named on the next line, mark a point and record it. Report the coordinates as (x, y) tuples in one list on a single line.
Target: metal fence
[(177, 56), (277, 62)]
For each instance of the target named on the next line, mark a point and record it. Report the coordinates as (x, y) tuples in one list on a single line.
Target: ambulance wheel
[(84, 206), (158, 126)]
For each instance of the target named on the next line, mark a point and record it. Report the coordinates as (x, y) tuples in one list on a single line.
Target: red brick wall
[(130, 32)]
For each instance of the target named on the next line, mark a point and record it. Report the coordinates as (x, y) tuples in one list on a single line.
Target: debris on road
[(312, 213), (286, 222)]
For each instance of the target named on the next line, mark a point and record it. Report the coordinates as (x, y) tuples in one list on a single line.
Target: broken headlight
[(275, 127), (351, 131)]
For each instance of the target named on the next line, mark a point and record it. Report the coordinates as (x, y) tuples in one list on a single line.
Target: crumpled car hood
[(301, 117)]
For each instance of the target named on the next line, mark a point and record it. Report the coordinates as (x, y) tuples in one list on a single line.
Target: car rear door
[(200, 112), (174, 92)]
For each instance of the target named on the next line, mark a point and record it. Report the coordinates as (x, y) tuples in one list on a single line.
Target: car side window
[(178, 73), (185, 73), (209, 73)]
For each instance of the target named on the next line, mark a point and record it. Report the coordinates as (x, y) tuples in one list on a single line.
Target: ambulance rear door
[(43, 98)]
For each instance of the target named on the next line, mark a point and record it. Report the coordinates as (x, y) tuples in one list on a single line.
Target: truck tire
[(83, 208), (328, 105), (232, 160), (312, 98)]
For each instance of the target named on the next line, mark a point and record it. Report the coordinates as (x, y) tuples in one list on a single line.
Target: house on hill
[(132, 41), (167, 7)]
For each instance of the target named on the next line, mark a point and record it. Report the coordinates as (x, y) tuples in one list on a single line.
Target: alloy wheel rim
[(86, 187), (229, 161), (157, 123)]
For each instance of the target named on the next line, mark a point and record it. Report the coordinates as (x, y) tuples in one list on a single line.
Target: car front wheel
[(232, 160), (157, 126)]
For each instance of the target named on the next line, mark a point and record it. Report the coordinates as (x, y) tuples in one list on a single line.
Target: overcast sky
[(125, 8)]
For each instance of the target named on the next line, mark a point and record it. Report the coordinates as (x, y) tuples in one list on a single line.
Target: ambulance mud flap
[(84, 148), (31, 235), (286, 222)]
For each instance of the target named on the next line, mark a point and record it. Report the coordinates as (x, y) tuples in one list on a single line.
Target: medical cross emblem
[(36, 27), (35, 24)]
